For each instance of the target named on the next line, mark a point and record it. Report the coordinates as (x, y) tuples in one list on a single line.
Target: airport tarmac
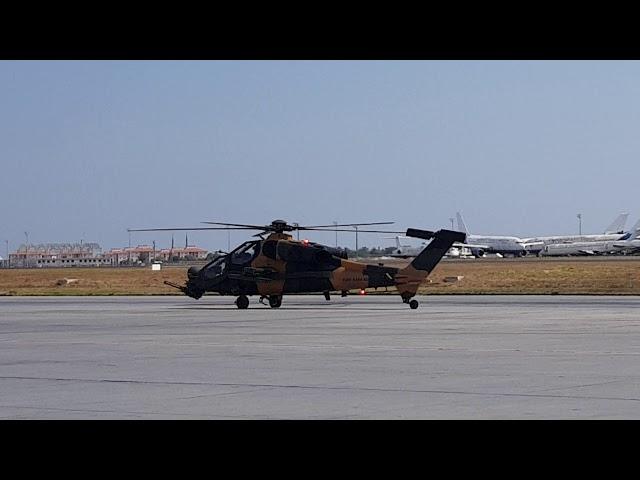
[(359, 357)]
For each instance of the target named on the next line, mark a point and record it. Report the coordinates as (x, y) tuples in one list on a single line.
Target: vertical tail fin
[(409, 278), (461, 225), (617, 226), (436, 249), (397, 239)]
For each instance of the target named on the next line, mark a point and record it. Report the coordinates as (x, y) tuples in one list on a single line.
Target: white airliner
[(627, 243), (630, 242), (497, 243), (612, 232), (407, 251)]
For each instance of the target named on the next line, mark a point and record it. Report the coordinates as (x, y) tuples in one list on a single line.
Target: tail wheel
[(413, 304), (242, 302), (275, 301)]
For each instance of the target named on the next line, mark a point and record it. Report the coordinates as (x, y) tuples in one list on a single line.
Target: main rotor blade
[(343, 230), (343, 225), (248, 227), (180, 228)]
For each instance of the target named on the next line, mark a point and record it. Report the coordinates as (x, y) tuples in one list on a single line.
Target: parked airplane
[(627, 243), (459, 252), (630, 242), (405, 251), (612, 232), (497, 243), (408, 251)]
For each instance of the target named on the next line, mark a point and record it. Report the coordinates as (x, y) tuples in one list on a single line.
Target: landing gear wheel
[(413, 304), (275, 301), (242, 302)]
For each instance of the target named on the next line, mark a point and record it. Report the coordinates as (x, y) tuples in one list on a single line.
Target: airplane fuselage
[(578, 248), (558, 239), (499, 244)]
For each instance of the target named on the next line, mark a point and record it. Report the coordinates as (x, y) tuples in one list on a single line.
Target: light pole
[(451, 220), (356, 241), (335, 224), (26, 250), (579, 223)]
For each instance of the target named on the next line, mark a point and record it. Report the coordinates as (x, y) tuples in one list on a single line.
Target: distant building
[(146, 253), (183, 253), (91, 255), (129, 255), (58, 255)]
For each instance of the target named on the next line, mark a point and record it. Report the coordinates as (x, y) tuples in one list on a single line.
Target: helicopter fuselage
[(280, 265)]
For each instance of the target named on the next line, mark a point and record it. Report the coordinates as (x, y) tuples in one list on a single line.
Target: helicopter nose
[(193, 272)]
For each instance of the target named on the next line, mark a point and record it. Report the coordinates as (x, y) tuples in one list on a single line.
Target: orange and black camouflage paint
[(281, 265)]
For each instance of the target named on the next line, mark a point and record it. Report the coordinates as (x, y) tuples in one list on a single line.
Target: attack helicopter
[(276, 264)]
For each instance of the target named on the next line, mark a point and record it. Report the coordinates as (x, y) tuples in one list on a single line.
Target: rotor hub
[(280, 226)]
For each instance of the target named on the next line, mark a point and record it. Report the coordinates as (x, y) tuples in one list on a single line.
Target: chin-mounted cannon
[(186, 290)]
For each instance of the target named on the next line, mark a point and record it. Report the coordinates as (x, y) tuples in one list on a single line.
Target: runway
[(359, 357)]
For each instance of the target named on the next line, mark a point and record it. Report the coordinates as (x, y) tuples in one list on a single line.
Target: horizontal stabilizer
[(451, 235), (424, 234)]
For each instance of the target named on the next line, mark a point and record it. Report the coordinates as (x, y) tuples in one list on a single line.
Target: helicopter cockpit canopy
[(245, 253), (241, 256), (215, 267)]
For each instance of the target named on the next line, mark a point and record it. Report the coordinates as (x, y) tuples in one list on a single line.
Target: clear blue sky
[(88, 149)]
